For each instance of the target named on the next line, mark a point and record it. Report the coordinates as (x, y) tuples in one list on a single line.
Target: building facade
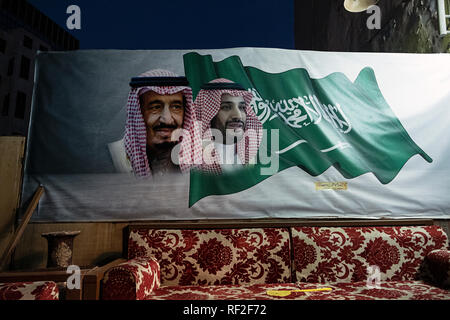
[(24, 31), (408, 26)]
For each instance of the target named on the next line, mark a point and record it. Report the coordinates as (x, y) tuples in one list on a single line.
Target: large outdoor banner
[(239, 133)]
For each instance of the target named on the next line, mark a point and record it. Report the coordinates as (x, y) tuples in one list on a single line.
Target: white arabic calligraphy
[(300, 112)]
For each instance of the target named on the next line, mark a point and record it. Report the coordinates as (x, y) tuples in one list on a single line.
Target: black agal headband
[(158, 82), (222, 86)]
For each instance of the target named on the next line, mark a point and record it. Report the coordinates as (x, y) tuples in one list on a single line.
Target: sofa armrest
[(92, 280), (436, 268), (39, 290), (132, 280)]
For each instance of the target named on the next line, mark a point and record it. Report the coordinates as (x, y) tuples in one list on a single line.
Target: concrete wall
[(409, 26)]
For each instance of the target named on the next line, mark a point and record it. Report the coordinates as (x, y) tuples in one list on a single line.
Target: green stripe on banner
[(321, 123)]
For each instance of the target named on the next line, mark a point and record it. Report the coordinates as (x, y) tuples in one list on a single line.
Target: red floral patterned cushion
[(131, 280), (344, 254), (43, 290), (436, 268), (390, 290), (224, 256)]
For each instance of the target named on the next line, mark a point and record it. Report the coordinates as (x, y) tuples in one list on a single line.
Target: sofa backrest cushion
[(221, 256), (328, 255)]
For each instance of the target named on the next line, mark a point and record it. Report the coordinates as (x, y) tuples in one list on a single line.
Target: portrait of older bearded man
[(159, 106), (231, 132)]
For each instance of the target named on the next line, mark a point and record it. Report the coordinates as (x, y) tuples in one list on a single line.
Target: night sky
[(177, 24)]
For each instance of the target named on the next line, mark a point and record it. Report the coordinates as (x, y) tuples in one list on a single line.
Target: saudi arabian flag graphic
[(309, 123)]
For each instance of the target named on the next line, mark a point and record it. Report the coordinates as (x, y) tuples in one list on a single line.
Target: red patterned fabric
[(43, 290), (331, 255), (224, 256), (131, 280), (390, 290), (436, 268)]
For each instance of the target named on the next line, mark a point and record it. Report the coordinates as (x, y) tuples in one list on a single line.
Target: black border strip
[(158, 81)]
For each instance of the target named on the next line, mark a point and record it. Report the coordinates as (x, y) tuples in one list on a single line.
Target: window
[(66, 41), (444, 16), (28, 42), (29, 14), (5, 4), (25, 68), (49, 30), (72, 44), (10, 67), (5, 109), (21, 10), (43, 24), (60, 37), (21, 104), (2, 45), (55, 34), (15, 7), (36, 20)]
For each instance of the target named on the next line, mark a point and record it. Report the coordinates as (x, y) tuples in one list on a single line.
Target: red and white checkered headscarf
[(135, 131), (207, 106)]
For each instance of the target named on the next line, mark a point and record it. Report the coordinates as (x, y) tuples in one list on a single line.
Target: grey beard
[(161, 150), (159, 158)]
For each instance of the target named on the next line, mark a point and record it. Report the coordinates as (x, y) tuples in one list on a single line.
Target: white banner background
[(416, 86)]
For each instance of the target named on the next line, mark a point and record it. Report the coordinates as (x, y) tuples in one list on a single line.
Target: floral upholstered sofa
[(41, 290), (283, 263)]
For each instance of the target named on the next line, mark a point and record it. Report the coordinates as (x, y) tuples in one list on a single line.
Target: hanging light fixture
[(358, 5)]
